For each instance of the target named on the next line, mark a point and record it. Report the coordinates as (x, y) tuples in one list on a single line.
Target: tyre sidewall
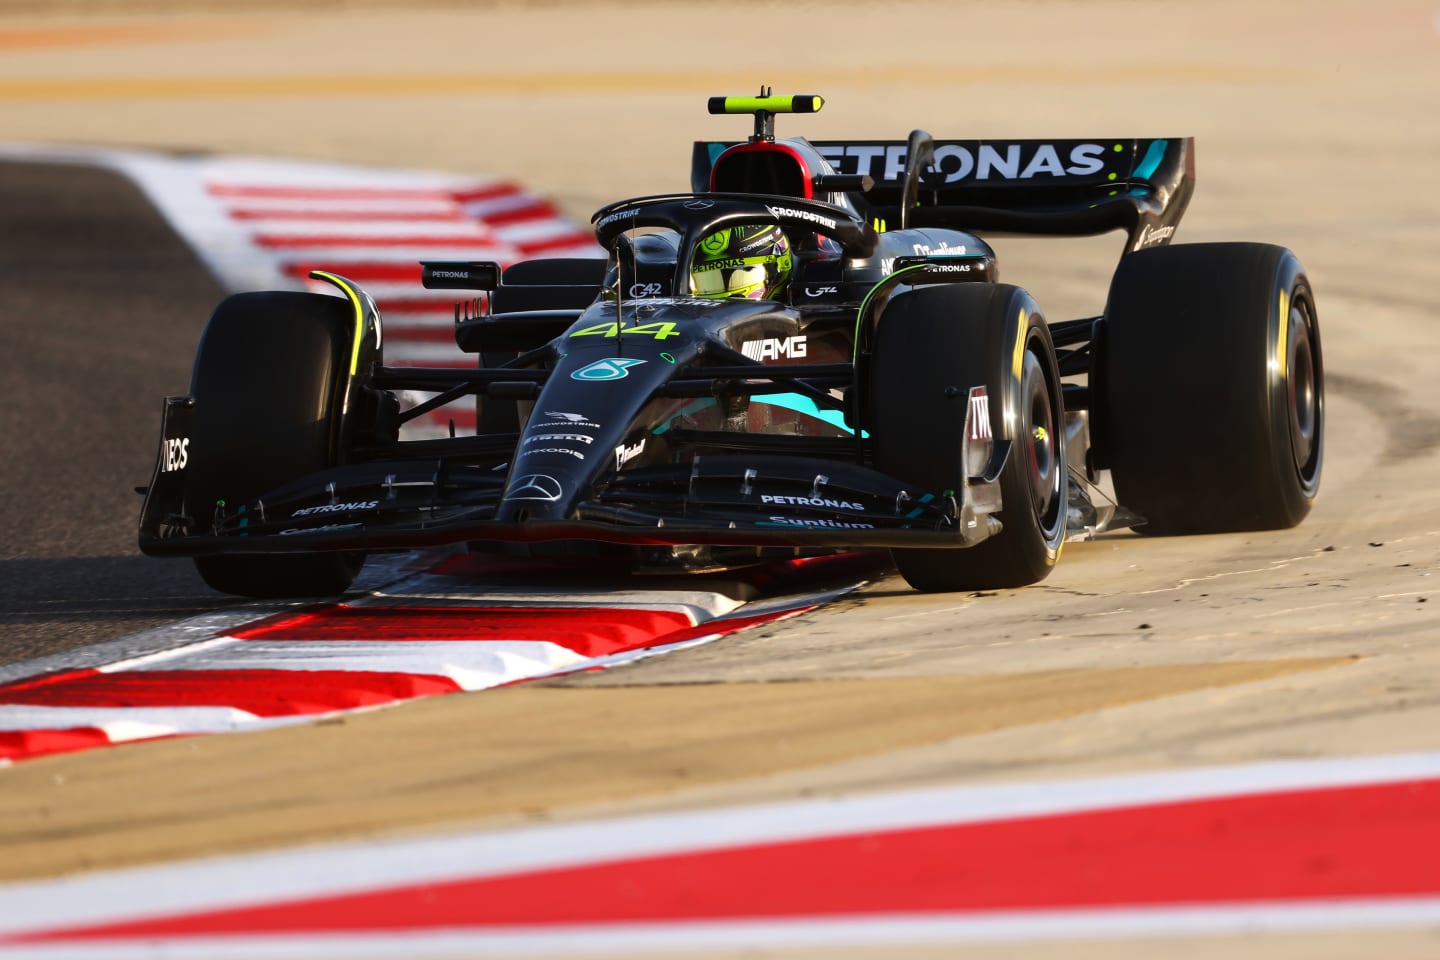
[(1194, 393), (270, 385), (949, 339)]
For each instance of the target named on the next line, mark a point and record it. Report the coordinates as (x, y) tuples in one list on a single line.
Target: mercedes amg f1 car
[(891, 394)]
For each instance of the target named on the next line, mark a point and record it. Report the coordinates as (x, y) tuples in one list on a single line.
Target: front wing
[(742, 499)]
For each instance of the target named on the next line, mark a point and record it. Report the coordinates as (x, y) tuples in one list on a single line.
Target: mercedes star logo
[(536, 486)]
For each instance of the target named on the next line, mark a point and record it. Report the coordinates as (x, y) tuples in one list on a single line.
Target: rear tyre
[(267, 381), (931, 346), (1214, 388)]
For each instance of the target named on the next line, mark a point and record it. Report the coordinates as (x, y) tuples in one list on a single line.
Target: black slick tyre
[(1214, 396), (266, 385), (931, 346)]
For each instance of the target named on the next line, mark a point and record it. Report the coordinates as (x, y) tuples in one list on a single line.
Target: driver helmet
[(753, 262)]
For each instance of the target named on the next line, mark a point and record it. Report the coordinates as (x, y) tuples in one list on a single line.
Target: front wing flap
[(737, 500)]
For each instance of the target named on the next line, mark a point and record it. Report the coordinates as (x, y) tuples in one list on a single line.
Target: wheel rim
[(1042, 462), (1303, 393)]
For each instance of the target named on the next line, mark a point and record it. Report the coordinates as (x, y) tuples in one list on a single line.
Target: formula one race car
[(809, 351)]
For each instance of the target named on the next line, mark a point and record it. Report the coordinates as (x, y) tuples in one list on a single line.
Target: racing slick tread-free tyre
[(266, 388), (931, 346), (1214, 388)]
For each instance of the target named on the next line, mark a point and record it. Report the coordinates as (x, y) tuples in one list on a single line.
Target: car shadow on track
[(54, 604)]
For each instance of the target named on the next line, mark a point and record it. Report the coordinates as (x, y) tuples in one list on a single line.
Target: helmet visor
[(750, 281)]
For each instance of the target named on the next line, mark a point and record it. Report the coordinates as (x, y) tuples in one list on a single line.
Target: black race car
[(810, 351)]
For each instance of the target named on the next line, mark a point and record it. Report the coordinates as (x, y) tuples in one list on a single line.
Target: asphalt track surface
[(103, 305), (1318, 128)]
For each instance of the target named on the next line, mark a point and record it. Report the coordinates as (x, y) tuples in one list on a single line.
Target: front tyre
[(931, 346), (1215, 388), (267, 382)]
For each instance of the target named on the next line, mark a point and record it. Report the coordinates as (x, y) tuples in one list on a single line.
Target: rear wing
[(1048, 187)]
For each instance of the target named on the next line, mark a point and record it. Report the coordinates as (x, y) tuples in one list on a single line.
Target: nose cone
[(611, 363), (561, 452), (587, 406)]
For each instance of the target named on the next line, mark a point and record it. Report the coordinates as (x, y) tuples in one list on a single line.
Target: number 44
[(660, 331)]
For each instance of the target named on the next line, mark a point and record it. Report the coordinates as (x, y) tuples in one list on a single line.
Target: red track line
[(24, 744), (590, 632), (45, 681), (540, 247), (426, 303), (284, 241), (398, 271), (399, 335), (460, 362), (346, 216), (492, 192), (463, 417), (265, 693), (539, 210), (1297, 846)]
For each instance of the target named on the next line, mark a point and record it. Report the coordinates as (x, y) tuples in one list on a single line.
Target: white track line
[(702, 939), (353, 867), (472, 664)]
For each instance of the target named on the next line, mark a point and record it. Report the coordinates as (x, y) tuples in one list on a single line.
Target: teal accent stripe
[(803, 404), (919, 510), (1153, 156), (786, 401)]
